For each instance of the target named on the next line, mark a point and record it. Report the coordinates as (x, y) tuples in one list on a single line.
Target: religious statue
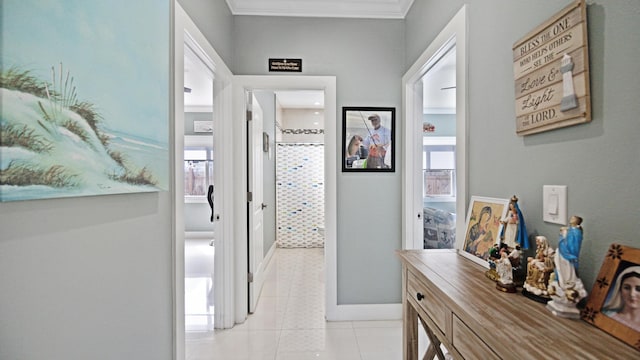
[(539, 269), (505, 274), (565, 287), (514, 231), (513, 255)]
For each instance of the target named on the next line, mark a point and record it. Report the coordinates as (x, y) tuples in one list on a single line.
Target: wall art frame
[(85, 110), (368, 138), (606, 306), (482, 229)]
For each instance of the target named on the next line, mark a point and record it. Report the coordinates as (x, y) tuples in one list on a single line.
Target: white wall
[(302, 119)]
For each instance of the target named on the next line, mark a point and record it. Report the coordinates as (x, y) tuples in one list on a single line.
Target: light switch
[(554, 204)]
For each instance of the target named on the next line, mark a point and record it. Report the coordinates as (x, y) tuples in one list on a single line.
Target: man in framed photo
[(378, 142)]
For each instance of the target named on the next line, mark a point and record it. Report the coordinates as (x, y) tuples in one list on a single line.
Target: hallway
[(289, 322)]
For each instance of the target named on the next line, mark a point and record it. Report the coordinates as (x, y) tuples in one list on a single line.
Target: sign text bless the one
[(551, 70)]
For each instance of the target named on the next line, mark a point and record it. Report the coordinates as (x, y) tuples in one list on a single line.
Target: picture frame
[(605, 306), (72, 131), (483, 228), (368, 138)]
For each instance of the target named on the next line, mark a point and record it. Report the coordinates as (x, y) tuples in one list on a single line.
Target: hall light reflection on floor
[(289, 322)]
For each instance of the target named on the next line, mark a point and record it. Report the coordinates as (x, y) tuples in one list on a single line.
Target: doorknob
[(263, 206), (210, 200)]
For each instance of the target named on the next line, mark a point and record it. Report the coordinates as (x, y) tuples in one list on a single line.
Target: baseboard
[(265, 265), (366, 312)]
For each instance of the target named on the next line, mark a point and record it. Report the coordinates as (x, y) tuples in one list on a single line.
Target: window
[(439, 169), (198, 172)]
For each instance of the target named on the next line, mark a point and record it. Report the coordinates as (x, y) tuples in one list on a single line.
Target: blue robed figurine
[(566, 288), (514, 230)]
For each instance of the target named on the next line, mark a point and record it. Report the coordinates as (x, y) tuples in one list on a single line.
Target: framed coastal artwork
[(483, 227), (85, 103), (614, 302), (368, 135)]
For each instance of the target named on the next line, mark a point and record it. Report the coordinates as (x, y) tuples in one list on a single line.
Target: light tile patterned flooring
[(289, 322)]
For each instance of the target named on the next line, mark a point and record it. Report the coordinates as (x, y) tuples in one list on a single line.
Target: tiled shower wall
[(299, 195)]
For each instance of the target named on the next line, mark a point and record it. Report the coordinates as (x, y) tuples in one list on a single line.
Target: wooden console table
[(461, 308)]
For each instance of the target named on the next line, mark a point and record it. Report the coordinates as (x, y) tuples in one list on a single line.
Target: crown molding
[(377, 9)]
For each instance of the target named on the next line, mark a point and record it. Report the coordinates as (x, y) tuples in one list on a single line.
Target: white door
[(255, 200)]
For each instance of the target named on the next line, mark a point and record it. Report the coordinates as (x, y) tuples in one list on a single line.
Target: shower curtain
[(299, 195)]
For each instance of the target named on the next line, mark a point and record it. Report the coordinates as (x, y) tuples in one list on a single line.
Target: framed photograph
[(368, 136), (613, 305), (483, 227)]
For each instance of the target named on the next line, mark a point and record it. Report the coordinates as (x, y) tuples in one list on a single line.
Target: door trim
[(185, 28), (270, 82), (456, 30)]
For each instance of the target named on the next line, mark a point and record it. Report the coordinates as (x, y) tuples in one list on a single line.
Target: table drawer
[(468, 344), (436, 310)]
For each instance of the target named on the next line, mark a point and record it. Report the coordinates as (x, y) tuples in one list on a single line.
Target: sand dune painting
[(84, 92)]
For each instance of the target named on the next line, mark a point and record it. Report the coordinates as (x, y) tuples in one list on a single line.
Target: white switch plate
[(554, 204)]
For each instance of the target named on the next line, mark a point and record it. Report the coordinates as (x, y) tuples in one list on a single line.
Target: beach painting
[(84, 91)]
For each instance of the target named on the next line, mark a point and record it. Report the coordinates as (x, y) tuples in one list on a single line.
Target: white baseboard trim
[(267, 258), (366, 312), (265, 265)]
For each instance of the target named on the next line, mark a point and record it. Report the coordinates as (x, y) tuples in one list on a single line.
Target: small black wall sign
[(285, 65)]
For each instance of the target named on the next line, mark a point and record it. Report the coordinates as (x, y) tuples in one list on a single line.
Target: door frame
[(457, 31), (280, 82), (186, 30), (257, 260)]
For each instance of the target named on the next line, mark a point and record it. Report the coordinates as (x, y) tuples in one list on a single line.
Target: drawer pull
[(419, 296)]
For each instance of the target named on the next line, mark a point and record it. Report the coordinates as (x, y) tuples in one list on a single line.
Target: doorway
[(219, 287), (246, 268), (199, 170), (286, 203), (435, 161)]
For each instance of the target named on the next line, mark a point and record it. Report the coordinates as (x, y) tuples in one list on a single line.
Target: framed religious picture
[(614, 303), (368, 136), (482, 230)]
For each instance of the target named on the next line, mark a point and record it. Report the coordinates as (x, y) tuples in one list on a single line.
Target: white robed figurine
[(566, 288)]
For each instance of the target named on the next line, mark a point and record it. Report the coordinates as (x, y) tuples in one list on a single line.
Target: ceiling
[(198, 83), (439, 86), (301, 99), (379, 9)]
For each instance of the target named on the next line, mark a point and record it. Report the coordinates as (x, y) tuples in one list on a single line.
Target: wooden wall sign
[(551, 71)]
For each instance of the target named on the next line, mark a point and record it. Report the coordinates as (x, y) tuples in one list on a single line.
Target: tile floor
[(289, 322)]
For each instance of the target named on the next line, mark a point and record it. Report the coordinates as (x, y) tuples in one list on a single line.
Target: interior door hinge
[(250, 277), (249, 115), (249, 196)]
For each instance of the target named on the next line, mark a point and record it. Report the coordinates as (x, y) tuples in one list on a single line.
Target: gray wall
[(86, 278), (215, 21), (267, 100), (190, 117), (599, 161), (366, 56)]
